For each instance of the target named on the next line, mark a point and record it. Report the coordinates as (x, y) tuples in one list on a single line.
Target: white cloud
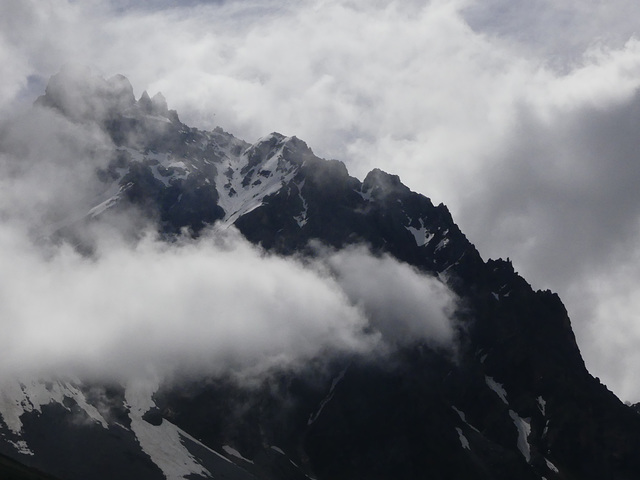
[(213, 305), (517, 115), (401, 303), (203, 305)]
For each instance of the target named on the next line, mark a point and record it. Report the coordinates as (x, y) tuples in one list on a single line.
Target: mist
[(465, 100), (136, 305), (216, 305)]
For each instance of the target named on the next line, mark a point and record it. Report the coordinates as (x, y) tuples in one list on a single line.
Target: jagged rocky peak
[(379, 183), (159, 103), (295, 145), (155, 106), (81, 94), (277, 145), (144, 103)]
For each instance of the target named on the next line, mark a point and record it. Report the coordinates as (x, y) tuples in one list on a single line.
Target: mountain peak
[(379, 182), (81, 94), (160, 103), (144, 103), (510, 397), (155, 106)]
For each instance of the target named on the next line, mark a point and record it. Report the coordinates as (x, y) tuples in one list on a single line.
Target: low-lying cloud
[(193, 304), (399, 301), (213, 305)]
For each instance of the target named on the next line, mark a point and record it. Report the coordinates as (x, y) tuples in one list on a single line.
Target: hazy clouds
[(520, 116), (216, 305), (400, 302), (141, 306), (202, 305)]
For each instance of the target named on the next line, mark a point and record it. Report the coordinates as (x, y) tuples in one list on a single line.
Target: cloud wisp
[(401, 303)]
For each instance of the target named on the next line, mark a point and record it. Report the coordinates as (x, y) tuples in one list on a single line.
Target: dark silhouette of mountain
[(513, 401)]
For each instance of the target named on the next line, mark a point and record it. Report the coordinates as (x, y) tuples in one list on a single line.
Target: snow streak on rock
[(497, 388), (163, 443), (524, 429), (463, 440), (18, 397)]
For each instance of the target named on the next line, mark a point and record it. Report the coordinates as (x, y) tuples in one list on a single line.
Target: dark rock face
[(11, 469), (514, 401)]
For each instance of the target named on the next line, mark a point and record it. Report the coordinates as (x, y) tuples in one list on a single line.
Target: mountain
[(513, 399)]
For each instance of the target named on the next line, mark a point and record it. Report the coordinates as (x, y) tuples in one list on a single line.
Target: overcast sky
[(522, 116)]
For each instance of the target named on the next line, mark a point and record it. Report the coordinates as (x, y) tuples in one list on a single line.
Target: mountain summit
[(497, 391)]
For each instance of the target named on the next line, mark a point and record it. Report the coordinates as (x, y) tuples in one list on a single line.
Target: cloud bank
[(216, 305), (519, 115), (217, 309)]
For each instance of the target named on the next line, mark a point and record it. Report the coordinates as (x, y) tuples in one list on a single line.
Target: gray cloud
[(401, 303), (214, 305), (560, 31), (48, 167), (519, 117)]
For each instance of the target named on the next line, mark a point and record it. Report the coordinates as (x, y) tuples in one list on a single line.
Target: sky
[(520, 116)]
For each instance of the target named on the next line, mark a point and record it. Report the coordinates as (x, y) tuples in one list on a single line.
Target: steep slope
[(13, 470), (514, 400)]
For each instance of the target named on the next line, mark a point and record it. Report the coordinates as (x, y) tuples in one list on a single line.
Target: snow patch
[(421, 235), (328, 398), (242, 191), (277, 449), (497, 388), (301, 219), (463, 417), (163, 443), (542, 405), (17, 398), (113, 198), (22, 447), (463, 440), (551, 466), (524, 429), (366, 196), (235, 453), (442, 243), (159, 176), (460, 414)]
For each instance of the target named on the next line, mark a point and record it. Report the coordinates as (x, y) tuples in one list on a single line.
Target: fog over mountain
[(181, 303), (115, 301), (520, 116)]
